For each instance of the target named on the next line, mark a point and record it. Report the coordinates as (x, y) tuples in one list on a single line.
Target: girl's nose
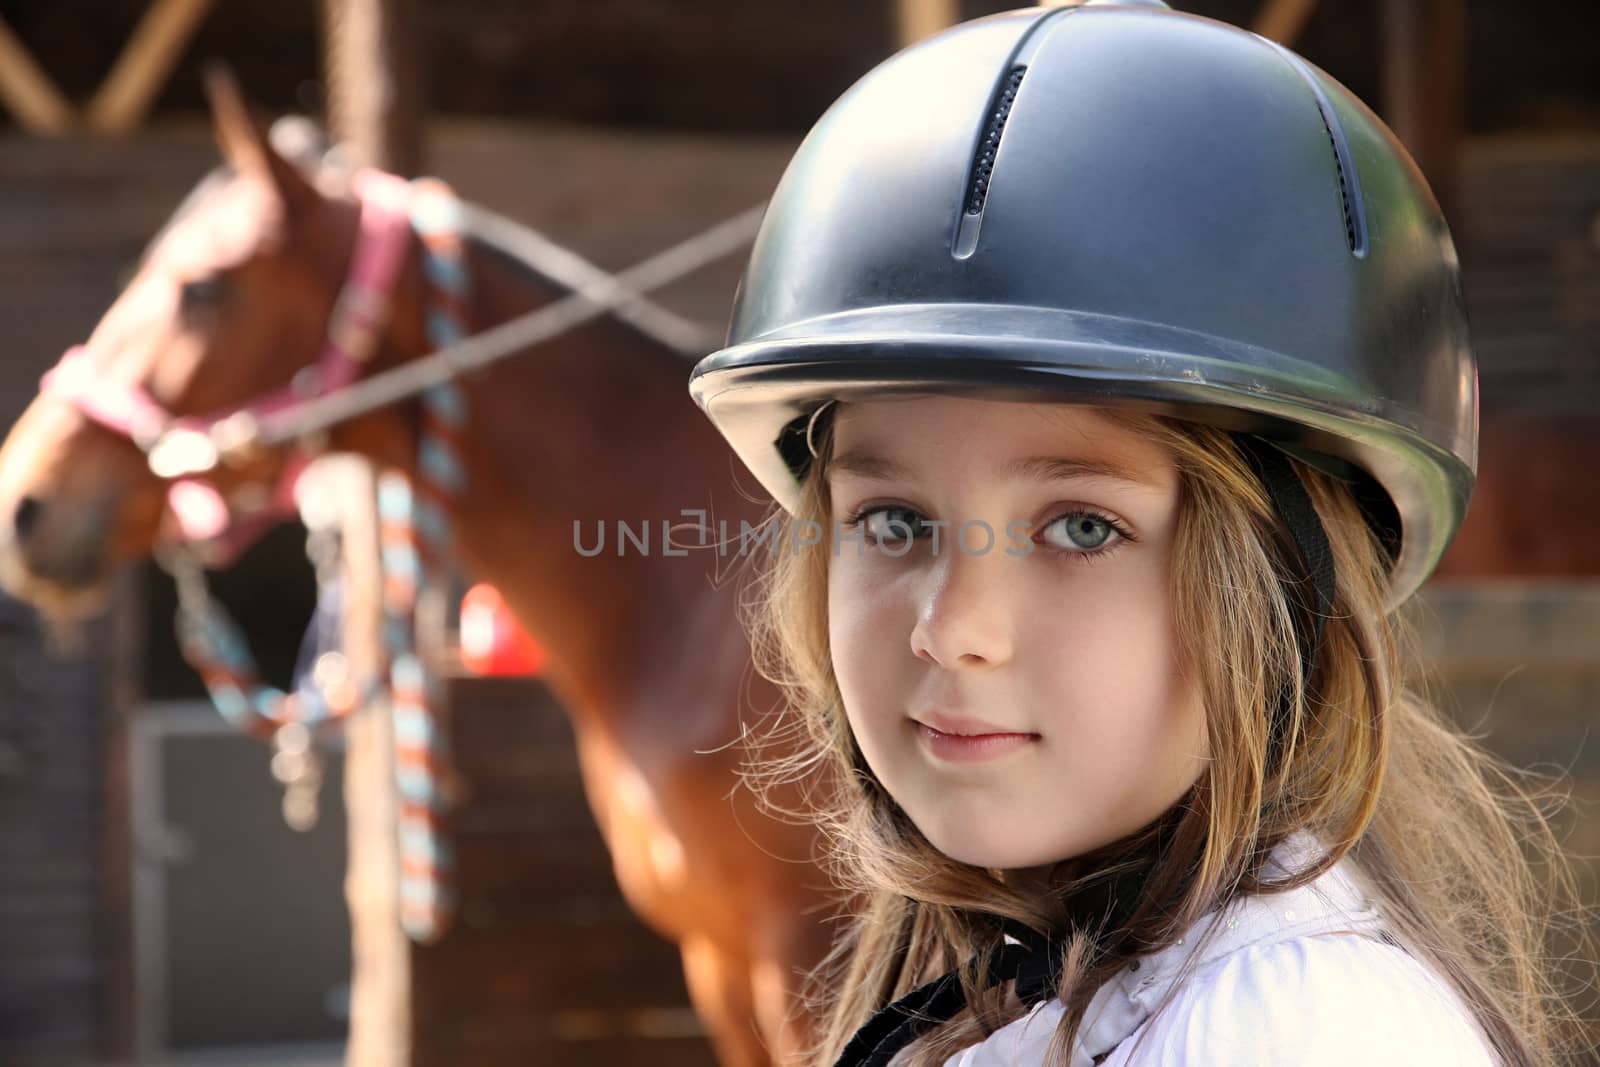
[(964, 617)]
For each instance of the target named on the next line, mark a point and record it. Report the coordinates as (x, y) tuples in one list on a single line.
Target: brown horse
[(644, 649)]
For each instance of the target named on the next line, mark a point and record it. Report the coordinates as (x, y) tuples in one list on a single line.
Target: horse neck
[(594, 427)]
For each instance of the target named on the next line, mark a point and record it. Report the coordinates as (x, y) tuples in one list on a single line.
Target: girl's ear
[(245, 144)]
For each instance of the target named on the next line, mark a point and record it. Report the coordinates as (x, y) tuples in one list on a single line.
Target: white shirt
[(1305, 977)]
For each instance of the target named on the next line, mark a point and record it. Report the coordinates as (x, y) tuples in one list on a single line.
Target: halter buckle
[(182, 452)]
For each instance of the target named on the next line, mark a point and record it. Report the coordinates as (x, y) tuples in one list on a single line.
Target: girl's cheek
[(853, 597), (867, 572)]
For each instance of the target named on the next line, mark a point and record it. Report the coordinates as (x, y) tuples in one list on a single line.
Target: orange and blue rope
[(415, 547), (414, 538)]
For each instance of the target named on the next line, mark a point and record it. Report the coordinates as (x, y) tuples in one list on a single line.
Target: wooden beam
[(124, 98), (372, 75), (380, 982), (1282, 20), (27, 90), (916, 19), (1424, 44)]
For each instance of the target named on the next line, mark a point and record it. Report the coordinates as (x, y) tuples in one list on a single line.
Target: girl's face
[(1022, 700)]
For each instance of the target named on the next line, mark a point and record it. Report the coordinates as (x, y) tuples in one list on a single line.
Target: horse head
[(227, 317)]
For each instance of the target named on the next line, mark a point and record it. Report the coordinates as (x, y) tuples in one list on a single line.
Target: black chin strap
[(896, 1026), (1034, 961), (1293, 505)]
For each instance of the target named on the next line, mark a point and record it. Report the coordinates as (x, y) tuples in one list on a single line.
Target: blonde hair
[(1456, 847)]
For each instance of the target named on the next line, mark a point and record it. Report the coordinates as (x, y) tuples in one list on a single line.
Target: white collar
[(1333, 902)]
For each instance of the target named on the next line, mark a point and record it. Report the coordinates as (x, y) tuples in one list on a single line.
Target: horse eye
[(203, 292)]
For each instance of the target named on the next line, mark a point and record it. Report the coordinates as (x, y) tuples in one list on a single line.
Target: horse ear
[(244, 140)]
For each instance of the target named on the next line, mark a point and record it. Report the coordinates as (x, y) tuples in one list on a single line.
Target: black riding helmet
[(1116, 204)]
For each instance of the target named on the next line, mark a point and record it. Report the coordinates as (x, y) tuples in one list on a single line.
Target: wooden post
[(1282, 20), (1424, 70), (372, 74), (916, 19), (380, 981)]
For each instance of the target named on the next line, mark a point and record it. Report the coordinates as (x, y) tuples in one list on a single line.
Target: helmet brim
[(755, 391)]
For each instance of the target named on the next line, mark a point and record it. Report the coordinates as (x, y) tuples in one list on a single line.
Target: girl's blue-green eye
[(890, 525), (1083, 530), (1082, 533)]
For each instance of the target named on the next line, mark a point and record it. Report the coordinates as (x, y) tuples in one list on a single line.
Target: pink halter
[(176, 445)]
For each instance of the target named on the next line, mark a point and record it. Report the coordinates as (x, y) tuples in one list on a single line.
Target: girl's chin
[(978, 846), (977, 850)]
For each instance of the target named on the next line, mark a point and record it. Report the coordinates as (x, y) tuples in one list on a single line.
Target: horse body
[(644, 647)]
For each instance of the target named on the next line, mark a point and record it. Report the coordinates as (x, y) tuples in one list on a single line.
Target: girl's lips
[(971, 747)]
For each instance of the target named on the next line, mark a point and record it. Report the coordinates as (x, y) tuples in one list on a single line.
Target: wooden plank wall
[(752, 64), (52, 734), (1529, 240)]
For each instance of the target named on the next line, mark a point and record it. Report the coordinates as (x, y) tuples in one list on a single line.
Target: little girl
[(1110, 368)]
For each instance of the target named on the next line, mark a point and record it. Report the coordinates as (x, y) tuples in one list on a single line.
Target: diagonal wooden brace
[(27, 90), (124, 98), (146, 62)]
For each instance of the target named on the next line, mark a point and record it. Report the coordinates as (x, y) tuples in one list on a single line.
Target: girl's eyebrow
[(864, 464), (1062, 468)]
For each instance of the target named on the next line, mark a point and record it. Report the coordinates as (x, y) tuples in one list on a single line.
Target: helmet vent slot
[(989, 146), (1344, 187), (1355, 219)]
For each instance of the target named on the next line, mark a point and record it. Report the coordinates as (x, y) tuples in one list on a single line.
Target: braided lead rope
[(415, 546), (415, 540), (426, 860), (215, 647)]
